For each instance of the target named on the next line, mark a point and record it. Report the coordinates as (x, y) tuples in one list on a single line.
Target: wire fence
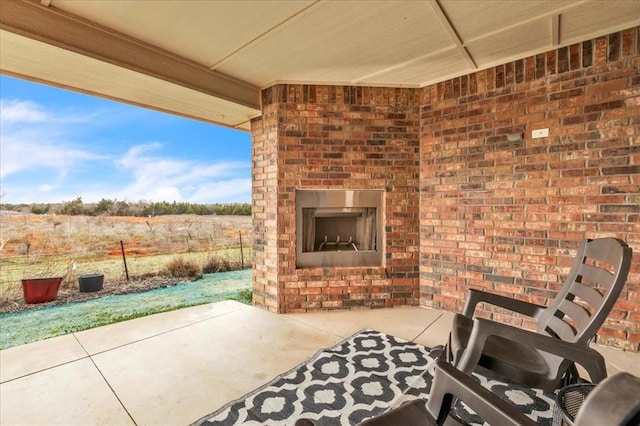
[(38, 246)]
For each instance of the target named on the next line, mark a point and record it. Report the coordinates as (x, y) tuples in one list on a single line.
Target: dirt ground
[(29, 241), (16, 304)]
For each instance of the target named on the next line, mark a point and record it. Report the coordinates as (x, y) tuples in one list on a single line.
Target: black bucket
[(91, 282)]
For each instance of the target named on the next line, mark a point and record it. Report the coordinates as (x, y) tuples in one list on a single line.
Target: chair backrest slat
[(576, 313), (596, 274), (596, 277), (563, 330), (589, 294), (608, 250)]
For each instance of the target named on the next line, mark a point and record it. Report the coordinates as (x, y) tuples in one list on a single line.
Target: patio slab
[(619, 361), (39, 356), (176, 367), (100, 339), (179, 376), (70, 394), (405, 322), (437, 332)]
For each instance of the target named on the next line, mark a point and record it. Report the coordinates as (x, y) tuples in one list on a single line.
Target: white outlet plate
[(540, 133)]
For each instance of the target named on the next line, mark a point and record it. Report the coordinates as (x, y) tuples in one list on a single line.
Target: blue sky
[(57, 145)]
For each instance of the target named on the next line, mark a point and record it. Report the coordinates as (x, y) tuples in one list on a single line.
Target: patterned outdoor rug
[(365, 375)]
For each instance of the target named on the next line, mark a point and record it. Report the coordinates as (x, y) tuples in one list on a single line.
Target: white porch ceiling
[(209, 59)]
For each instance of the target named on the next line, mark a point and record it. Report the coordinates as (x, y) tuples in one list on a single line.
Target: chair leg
[(413, 413), (438, 352), (448, 354), (571, 376)]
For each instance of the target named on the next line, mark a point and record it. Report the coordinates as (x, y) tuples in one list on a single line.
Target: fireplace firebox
[(339, 228)]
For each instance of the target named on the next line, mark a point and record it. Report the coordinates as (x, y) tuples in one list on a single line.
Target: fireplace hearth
[(339, 228)]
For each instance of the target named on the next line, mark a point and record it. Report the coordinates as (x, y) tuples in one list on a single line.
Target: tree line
[(108, 207)]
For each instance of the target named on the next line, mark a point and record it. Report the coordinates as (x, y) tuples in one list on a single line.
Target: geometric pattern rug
[(365, 375)]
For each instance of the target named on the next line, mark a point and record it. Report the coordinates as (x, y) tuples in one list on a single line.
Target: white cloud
[(229, 191), (32, 151), (33, 138), (51, 156), (162, 179), (15, 111)]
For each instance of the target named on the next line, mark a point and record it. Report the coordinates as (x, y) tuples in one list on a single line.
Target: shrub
[(40, 208), (75, 207), (244, 296), (180, 267), (218, 264)]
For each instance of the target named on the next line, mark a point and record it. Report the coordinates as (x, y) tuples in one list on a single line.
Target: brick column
[(264, 209), (328, 137)]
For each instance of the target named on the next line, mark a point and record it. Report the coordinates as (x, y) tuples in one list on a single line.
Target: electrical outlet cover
[(540, 133)]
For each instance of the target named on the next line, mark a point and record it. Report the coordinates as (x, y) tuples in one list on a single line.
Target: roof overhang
[(209, 60), (44, 45)]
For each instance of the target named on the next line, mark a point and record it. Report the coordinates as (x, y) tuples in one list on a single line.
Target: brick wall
[(263, 210), (507, 216), (483, 212), (325, 137)]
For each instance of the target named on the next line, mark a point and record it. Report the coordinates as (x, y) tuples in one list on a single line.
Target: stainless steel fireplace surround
[(339, 228)]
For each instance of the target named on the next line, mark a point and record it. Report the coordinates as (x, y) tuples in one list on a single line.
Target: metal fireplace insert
[(339, 228)]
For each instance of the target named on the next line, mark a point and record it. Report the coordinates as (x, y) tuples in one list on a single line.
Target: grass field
[(35, 246), (29, 326)]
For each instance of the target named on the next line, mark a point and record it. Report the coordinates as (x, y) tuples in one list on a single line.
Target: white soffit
[(426, 69), (361, 42), (204, 31), (51, 65), (517, 29), (532, 36), (227, 50), (333, 43), (475, 19), (615, 15)]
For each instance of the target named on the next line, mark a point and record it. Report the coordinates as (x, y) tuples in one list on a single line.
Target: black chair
[(614, 402), (542, 358)]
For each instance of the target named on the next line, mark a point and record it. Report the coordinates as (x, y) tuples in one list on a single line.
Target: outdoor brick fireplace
[(346, 158)]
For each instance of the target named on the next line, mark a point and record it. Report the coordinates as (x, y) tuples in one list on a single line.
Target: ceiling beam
[(446, 23), (555, 30), (52, 26), (259, 37)]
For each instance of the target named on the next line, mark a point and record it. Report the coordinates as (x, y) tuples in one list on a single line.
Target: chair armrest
[(410, 413), (588, 358), (615, 401), (476, 296), (450, 384)]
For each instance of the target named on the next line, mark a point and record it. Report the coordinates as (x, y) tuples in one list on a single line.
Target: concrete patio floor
[(175, 367)]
